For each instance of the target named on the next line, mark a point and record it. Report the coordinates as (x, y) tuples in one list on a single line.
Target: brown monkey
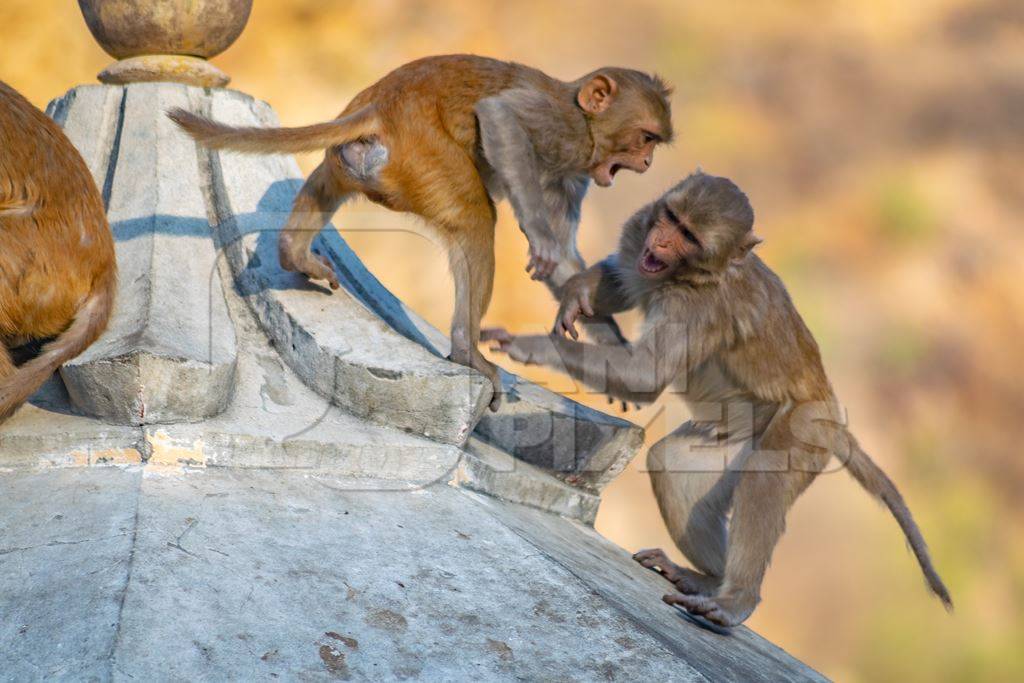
[(721, 327), (58, 275), (447, 137)]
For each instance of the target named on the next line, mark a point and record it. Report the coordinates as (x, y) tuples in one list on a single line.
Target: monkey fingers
[(329, 275), (702, 606), (317, 267), (572, 307), (498, 334), (656, 559), (529, 350), (567, 322), (544, 258)]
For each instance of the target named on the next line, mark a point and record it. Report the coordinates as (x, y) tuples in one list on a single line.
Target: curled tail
[(88, 325), (209, 133), (876, 482)]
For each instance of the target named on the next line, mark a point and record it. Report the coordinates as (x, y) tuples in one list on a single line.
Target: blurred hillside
[(881, 144)]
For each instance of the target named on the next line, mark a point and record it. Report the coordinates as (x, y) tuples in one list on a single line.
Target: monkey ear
[(597, 94), (750, 240)]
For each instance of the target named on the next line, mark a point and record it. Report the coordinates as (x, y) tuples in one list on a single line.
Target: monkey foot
[(312, 265), (317, 267), (696, 583), (495, 402), (656, 559), (718, 610)]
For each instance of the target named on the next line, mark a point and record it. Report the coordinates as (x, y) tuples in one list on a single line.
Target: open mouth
[(614, 169), (651, 264)]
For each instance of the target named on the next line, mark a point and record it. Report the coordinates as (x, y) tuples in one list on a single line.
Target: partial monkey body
[(447, 137), (57, 269), (721, 328)]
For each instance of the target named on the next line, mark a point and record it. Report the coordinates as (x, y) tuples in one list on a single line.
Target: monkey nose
[(647, 162)]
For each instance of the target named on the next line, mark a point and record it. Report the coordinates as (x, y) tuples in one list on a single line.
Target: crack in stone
[(7, 551)]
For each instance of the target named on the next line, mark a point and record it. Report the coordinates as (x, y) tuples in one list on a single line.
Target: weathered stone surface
[(46, 432), (334, 341), (169, 351), (66, 540), (275, 421), (583, 446), (219, 574), (272, 421), (717, 654), (490, 470)]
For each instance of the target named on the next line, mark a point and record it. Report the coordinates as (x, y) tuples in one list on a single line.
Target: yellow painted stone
[(166, 452)]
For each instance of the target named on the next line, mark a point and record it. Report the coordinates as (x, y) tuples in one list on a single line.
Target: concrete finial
[(165, 40)]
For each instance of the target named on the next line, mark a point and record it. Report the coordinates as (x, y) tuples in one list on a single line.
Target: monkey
[(58, 274), (718, 325), (446, 138)]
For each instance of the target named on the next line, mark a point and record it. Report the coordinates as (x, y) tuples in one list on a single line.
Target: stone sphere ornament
[(165, 40)]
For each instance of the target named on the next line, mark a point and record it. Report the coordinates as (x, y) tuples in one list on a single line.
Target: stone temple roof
[(250, 477)]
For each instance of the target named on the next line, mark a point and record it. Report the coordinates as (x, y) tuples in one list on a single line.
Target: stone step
[(168, 353), (272, 421), (489, 470)]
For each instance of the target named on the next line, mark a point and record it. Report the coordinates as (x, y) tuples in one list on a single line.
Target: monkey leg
[(694, 490), (316, 202), (761, 500), (472, 265)]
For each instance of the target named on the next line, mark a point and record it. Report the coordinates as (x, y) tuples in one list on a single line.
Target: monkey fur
[(721, 328), (58, 274), (447, 137)]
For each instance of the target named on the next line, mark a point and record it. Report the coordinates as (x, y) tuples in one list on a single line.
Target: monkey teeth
[(651, 264)]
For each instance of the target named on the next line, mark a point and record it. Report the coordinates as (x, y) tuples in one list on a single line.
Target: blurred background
[(881, 144)]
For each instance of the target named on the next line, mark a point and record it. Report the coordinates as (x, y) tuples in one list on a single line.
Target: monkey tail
[(88, 325), (876, 482), (361, 123)]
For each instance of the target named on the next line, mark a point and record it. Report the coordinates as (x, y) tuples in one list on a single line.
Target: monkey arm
[(637, 373), (595, 293), (508, 149)]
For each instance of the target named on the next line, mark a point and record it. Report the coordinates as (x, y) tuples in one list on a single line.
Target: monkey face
[(634, 151), (669, 244), (626, 122), (698, 229)]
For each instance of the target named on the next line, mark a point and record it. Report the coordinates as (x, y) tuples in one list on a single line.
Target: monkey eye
[(650, 137), (689, 236), (683, 228)]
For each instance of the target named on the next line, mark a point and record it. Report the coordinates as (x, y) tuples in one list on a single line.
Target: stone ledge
[(490, 470), (168, 354)]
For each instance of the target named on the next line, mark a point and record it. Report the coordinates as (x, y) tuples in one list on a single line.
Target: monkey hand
[(545, 255), (575, 301), (529, 350), (498, 334)]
